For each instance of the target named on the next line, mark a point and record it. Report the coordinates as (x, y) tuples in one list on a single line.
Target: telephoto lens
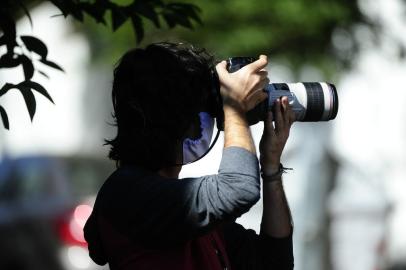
[(310, 101)]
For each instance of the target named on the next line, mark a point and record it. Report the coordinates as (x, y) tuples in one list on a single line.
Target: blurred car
[(44, 204)]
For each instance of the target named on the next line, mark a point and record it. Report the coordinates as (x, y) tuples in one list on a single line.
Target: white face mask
[(195, 149)]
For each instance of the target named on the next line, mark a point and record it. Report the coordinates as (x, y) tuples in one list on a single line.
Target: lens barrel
[(310, 101)]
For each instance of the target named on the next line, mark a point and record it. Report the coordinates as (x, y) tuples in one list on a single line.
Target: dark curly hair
[(157, 93)]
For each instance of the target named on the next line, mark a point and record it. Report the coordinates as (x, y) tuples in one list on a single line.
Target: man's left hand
[(274, 137)]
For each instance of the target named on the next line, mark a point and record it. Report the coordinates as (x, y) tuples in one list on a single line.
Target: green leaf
[(194, 14), (183, 20), (28, 67), (189, 10), (6, 87), (4, 118), (29, 99), (118, 17), (69, 7), (181, 13), (37, 87), (35, 45), (51, 64), (26, 12), (96, 11), (147, 10), (8, 27), (61, 5), (138, 28), (77, 13), (7, 24), (43, 74), (169, 19), (8, 61)]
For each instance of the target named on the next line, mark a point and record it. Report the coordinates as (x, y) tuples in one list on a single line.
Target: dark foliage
[(31, 53)]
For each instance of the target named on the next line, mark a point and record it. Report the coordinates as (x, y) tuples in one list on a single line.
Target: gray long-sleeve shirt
[(157, 212)]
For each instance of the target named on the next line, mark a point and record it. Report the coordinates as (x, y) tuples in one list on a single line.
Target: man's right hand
[(243, 89)]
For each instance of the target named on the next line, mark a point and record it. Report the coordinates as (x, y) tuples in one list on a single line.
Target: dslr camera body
[(310, 101)]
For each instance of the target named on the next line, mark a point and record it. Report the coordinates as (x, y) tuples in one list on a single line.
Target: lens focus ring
[(315, 102)]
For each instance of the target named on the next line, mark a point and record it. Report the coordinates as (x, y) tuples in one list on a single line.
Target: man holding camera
[(144, 216)]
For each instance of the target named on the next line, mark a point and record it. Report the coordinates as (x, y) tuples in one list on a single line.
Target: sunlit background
[(346, 191)]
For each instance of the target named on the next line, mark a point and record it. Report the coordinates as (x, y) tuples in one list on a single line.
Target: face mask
[(196, 149)]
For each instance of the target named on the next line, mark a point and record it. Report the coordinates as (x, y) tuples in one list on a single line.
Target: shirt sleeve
[(249, 251), (149, 207)]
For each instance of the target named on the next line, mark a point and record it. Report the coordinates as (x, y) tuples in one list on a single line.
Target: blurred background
[(346, 191)]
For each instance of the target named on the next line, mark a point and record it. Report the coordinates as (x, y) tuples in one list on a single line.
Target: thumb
[(221, 68), (259, 64)]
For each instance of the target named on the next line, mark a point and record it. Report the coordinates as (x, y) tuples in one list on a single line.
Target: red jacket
[(202, 253)]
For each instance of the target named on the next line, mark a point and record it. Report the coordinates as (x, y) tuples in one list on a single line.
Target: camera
[(310, 101)]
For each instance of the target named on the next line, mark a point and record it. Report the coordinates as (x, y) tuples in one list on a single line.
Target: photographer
[(144, 216)]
